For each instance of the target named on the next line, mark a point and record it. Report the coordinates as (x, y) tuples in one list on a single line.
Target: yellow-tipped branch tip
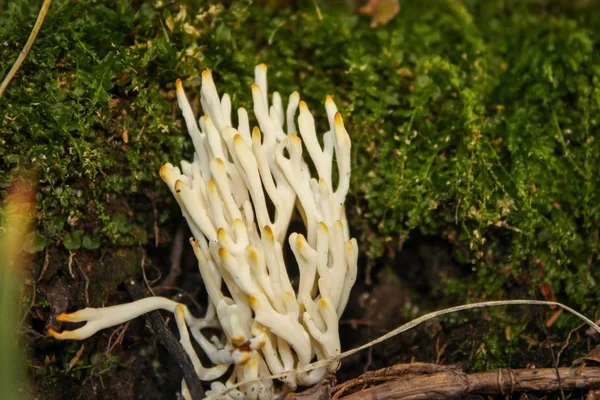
[(163, 172), (207, 73), (178, 185), (53, 333), (329, 99), (65, 317), (324, 227), (252, 254), (338, 119), (263, 66), (179, 84), (269, 233), (223, 253)]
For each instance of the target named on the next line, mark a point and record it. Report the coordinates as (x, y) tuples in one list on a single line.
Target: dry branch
[(171, 343), (434, 382)]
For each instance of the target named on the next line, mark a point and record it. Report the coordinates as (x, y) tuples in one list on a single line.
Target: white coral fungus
[(238, 196)]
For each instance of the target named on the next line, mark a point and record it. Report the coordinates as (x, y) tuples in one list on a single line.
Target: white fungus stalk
[(238, 196)]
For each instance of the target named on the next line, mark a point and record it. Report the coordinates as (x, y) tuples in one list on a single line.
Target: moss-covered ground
[(476, 153)]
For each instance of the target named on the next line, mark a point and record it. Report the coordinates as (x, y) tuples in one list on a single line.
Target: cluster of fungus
[(239, 195)]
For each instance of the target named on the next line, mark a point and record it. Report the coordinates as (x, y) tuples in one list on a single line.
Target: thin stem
[(25, 51)]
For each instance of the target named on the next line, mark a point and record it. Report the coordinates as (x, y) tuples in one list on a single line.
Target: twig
[(171, 343), (45, 267), (87, 284), (176, 253), (70, 264), (144, 273), (387, 374), (430, 381), (27, 47), (110, 346)]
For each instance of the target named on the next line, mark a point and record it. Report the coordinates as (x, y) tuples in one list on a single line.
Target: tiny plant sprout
[(238, 195)]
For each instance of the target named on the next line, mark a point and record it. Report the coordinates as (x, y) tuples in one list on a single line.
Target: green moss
[(474, 121)]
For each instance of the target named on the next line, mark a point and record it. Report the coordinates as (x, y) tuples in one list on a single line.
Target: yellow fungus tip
[(223, 253), (254, 86), (237, 340), (206, 74), (269, 233), (163, 172), (252, 300), (303, 105), (53, 333), (329, 99), (219, 162), (299, 241), (253, 254), (178, 185), (323, 226), (245, 359), (178, 84), (338, 118), (62, 317), (263, 66)]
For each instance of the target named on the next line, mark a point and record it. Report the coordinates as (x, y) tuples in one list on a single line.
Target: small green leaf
[(91, 242), (72, 241), (55, 226)]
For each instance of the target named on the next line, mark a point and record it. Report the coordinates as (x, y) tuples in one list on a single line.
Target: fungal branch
[(238, 195)]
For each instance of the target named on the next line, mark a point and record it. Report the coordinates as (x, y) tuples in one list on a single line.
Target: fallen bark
[(434, 382)]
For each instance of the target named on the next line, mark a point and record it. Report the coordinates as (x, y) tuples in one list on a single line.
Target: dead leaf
[(553, 317), (381, 11), (547, 292)]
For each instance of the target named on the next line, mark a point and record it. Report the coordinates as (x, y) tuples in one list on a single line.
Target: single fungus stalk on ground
[(238, 196)]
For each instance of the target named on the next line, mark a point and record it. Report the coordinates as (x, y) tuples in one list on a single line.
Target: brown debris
[(381, 11), (436, 382)]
